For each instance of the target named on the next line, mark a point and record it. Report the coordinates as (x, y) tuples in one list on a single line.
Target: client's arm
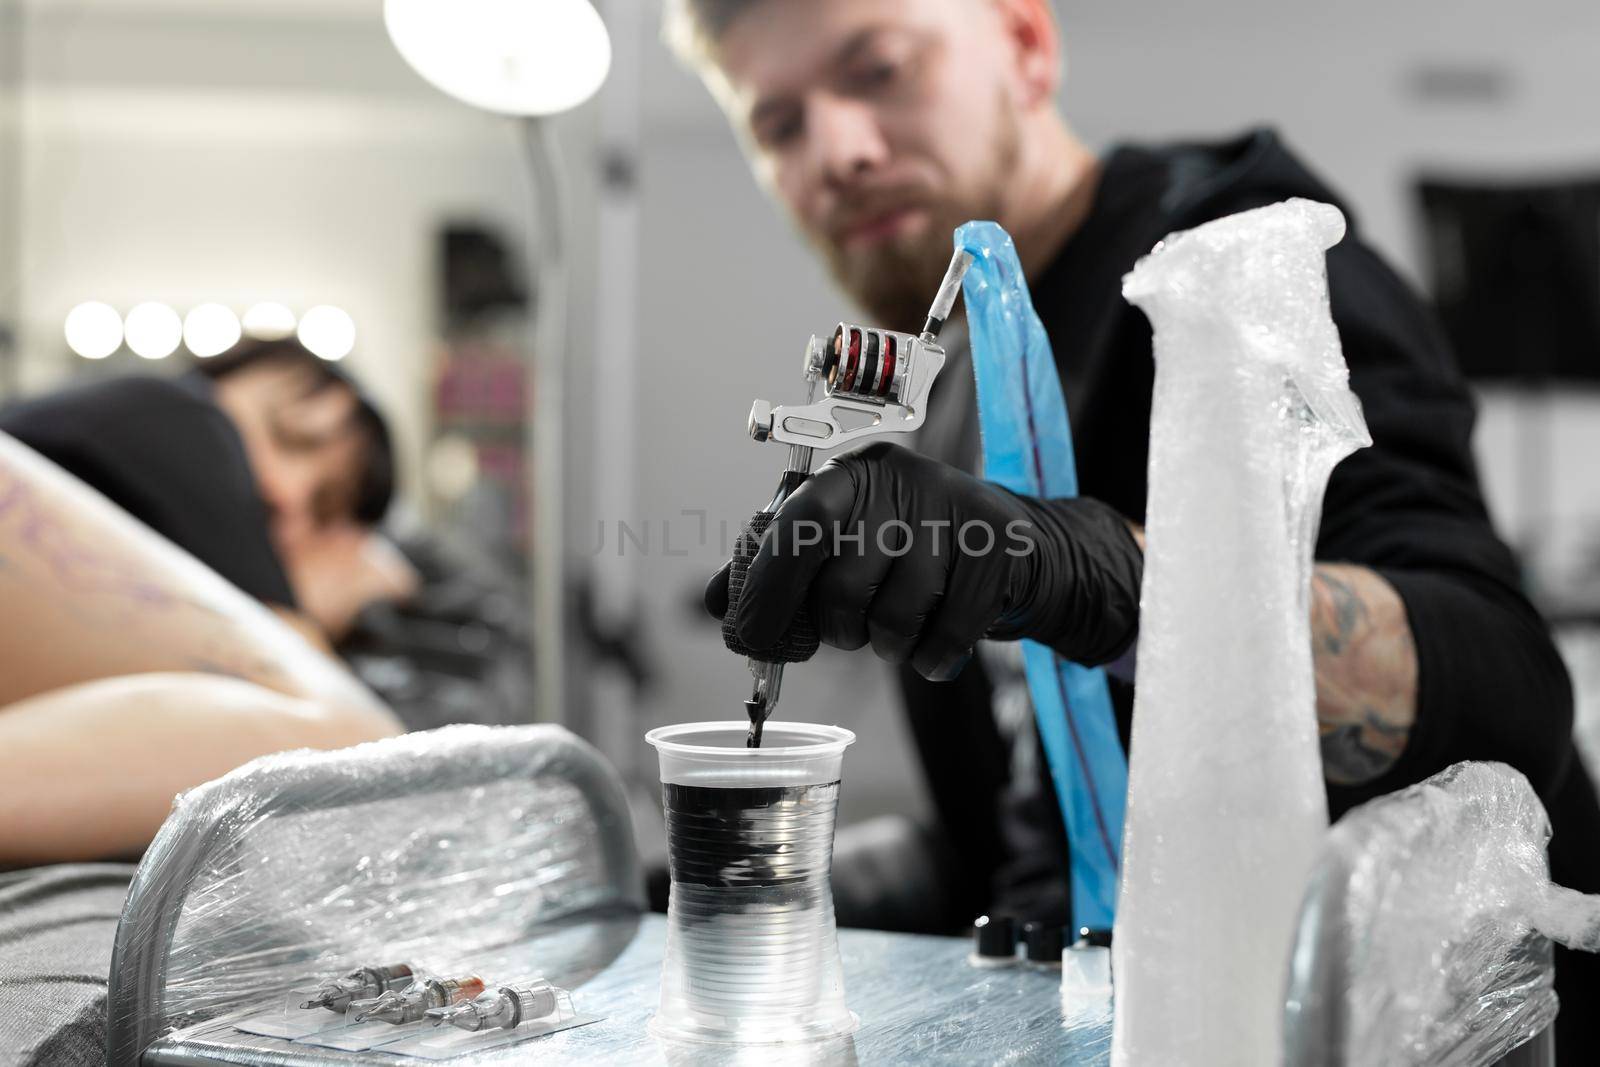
[(89, 771), (92, 593), (92, 596)]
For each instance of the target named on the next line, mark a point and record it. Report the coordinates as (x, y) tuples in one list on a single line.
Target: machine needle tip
[(757, 711)]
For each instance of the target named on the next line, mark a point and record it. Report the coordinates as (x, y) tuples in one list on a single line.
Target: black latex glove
[(1063, 572)]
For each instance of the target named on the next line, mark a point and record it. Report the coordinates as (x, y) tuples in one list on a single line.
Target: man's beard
[(895, 280)]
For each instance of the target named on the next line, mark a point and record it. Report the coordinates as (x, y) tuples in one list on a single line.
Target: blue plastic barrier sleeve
[(1027, 448)]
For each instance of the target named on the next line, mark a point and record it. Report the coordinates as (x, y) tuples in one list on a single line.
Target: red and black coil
[(866, 363)]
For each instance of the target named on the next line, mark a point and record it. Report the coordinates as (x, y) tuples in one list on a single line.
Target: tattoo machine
[(874, 381), (412, 1003), (363, 983), (507, 1008)]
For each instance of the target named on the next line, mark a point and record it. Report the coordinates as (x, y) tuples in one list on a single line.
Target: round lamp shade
[(516, 57)]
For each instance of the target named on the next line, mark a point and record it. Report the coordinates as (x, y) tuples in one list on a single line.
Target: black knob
[(1042, 941), (1094, 937), (994, 937)]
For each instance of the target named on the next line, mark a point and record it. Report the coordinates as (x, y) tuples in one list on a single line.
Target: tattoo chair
[(435, 848)]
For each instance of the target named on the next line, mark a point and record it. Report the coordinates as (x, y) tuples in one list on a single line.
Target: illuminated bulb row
[(153, 331)]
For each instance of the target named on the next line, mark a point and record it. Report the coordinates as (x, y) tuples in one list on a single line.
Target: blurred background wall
[(189, 150), (11, 48), (242, 152)]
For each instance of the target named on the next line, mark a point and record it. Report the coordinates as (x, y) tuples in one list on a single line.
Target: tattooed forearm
[(1366, 667)]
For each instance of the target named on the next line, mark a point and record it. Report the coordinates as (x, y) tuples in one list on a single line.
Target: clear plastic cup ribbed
[(752, 951)]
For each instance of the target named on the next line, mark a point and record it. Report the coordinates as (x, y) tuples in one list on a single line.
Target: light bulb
[(210, 330), (153, 330), (269, 322), (328, 331), (94, 330)]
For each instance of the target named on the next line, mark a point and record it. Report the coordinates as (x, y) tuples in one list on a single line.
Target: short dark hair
[(693, 27), (376, 479)]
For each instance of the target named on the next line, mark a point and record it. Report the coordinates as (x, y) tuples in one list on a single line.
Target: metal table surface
[(918, 999)]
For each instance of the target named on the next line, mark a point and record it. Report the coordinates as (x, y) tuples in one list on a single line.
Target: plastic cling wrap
[(1027, 447), (435, 848), (1226, 811), (1421, 935)]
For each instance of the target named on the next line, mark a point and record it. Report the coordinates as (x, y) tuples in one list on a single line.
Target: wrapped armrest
[(428, 847), (1418, 940)]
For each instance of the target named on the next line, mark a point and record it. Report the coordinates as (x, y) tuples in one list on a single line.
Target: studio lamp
[(515, 57), (529, 59)]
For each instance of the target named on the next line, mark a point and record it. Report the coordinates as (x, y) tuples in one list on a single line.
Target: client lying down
[(170, 601)]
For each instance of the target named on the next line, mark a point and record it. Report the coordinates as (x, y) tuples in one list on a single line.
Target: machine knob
[(760, 420), (994, 938), (1042, 942)]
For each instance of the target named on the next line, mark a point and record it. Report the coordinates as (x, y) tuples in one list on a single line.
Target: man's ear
[(1034, 40)]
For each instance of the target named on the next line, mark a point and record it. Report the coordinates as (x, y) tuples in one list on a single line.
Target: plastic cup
[(752, 951)]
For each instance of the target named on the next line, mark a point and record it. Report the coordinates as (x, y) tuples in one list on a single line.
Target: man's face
[(881, 125)]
